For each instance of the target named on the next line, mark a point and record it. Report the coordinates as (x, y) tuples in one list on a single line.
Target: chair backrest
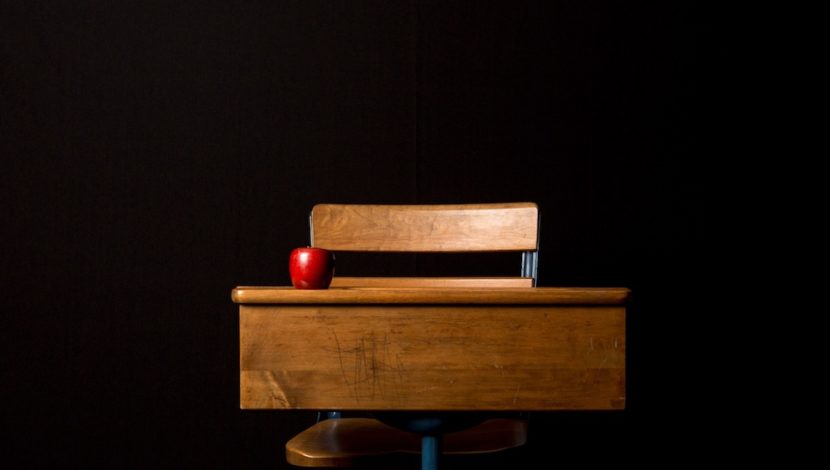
[(434, 228)]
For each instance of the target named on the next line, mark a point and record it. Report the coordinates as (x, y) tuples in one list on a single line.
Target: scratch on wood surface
[(275, 390), (500, 368), (343, 368), (516, 393), (370, 368)]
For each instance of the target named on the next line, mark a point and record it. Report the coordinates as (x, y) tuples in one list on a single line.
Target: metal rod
[(430, 451)]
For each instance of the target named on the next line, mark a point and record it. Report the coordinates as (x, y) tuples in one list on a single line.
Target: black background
[(157, 154)]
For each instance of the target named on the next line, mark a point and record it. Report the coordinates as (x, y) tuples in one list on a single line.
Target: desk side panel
[(468, 357)]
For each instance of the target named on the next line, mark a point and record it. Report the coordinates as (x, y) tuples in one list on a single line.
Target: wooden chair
[(512, 227)]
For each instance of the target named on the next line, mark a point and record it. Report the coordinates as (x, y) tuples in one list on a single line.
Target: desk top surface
[(432, 295)]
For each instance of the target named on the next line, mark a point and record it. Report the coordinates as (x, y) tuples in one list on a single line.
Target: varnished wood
[(425, 228), (431, 282), (345, 442), (432, 295), (440, 344), (432, 357)]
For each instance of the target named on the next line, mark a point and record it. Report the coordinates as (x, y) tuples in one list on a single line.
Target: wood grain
[(432, 357), (345, 442), (418, 344), (425, 228), (440, 282), (432, 295)]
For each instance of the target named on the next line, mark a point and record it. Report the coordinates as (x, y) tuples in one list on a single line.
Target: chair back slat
[(425, 228)]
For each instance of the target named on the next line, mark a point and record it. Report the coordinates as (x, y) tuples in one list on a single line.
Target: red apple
[(311, 268)]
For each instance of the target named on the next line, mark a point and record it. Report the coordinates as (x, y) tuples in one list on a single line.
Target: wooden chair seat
[(349, 441)]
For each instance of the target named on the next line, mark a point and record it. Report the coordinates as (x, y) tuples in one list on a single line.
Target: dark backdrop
[(157, 154)]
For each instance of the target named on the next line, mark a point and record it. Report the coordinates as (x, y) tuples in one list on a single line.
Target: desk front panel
[(432, 357)]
